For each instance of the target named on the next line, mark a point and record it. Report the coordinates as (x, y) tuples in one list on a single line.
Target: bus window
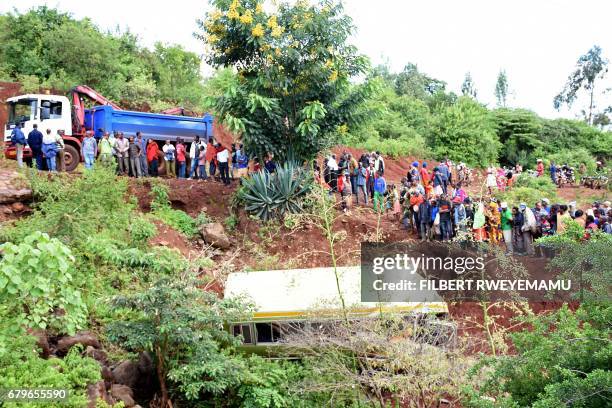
[(246, 334), (264, 332), (277, 332), (243, 330)]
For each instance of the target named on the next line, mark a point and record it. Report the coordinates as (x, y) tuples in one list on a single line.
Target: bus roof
[(298, 293)]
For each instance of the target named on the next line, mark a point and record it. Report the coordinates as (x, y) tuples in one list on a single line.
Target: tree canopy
[(44, 47), (294, 68)]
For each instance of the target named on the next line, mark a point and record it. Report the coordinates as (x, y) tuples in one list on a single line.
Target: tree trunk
[(590, 120), (161, 376)]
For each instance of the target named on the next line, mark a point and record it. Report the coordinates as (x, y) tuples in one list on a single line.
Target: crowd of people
[(430, 201), (435, 205), (137, 156)]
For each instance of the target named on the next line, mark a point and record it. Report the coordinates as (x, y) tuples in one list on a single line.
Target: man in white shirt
[(222, 160), (379, 163), (194, 152), (332, 165)]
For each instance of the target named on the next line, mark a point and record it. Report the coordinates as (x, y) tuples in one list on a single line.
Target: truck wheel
[(71, 157)]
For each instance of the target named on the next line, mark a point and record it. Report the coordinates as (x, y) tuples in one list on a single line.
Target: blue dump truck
[(70, 115)]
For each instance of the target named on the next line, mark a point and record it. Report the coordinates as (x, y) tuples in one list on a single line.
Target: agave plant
[(274, 195)]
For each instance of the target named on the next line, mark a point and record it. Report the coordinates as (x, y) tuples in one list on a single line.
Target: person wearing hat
[(540, 168), (413, 173), (506, 226)]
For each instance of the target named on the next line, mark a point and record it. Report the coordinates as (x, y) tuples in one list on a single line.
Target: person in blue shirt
[(269, 163), (35, 141), (18, 139), (242, 162), (553, 172), (380, 187)]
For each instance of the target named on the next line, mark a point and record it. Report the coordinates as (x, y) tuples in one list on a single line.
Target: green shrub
[(406, 145), (203, 219), (161, 209), (142, 230), (73, 209), (231, 221), (272, 195), (561, 360), (574, 157), (36, 282), (529, 189), (177, 219), (21, 367)]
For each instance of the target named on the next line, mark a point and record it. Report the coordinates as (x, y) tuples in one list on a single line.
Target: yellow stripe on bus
[(434, 307)]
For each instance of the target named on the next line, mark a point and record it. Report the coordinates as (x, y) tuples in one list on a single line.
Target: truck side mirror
[(45, 110)]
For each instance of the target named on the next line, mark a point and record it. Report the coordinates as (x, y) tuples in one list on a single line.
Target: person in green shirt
[(506, 226), (105, 147)]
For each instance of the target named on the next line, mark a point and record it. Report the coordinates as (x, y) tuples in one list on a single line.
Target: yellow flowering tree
[(294, 66)]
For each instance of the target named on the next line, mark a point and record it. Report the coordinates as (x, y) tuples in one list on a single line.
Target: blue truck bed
[(154, 126)]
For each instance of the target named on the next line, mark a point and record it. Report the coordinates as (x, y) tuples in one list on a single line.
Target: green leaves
[(36, 276), (293, 70), (273, 195)]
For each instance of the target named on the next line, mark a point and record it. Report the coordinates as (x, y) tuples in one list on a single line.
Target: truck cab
[(52, 112), (47, 111)]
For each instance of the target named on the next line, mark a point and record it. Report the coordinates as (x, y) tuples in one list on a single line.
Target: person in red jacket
[(152, 157), (425, 179), (211, 158)]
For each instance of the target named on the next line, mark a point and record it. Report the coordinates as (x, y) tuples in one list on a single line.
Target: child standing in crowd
[(180, 158), (202, 163), (395, 199)]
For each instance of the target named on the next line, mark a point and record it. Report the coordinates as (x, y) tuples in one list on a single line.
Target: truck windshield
[(21, 111)]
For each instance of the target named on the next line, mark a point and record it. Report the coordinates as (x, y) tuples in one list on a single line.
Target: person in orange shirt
[(425, 179), (211, 158)]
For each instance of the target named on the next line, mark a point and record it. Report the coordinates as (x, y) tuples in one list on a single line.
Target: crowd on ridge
[(137, 156), (431, 201), (435, 205)]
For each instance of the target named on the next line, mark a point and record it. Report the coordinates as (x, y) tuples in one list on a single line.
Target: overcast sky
[(537, 42)]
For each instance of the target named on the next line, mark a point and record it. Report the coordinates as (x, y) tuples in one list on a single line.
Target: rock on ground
[(214, 234), (12, 188), (84, 338)]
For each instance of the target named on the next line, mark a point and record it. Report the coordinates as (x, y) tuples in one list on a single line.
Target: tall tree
[(590, 67), (501, 89), (468, 88), (294, 66)]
